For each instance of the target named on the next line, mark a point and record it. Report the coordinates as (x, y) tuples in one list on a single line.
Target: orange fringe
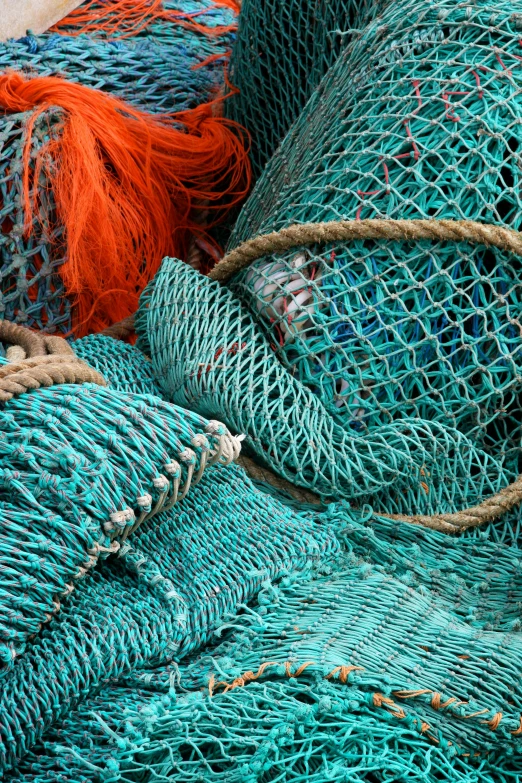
[(124, 18), (125, 187)]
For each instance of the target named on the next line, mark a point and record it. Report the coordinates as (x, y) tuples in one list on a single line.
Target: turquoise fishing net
[(82, 467), (419, 118), (124, 367), (169, 588), (209, 354), (432, 624), (283, 49)]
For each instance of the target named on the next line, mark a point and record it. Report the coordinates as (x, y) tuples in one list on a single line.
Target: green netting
[(283, 49), (209, 354), (420, 119), (81, 469), (179, 579), (123, 366), (433, 625)]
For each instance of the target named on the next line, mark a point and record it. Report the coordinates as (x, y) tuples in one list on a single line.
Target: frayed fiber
[(125, 18), (126, 186)]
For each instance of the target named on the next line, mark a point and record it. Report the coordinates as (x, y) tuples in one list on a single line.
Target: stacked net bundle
[(82, 468), (418, 120), (152, 76), (398, 659), (164, 64), (179, 580), (384, 329), (95, 192), (406, 466), (282, 51)]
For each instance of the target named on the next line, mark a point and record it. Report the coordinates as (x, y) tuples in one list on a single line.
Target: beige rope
[(491, 508), (258, 473), (50, 361), (121, 330), (339, 230)]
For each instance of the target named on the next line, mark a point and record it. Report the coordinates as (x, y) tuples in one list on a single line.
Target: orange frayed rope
[(127, 187), (124, 18)]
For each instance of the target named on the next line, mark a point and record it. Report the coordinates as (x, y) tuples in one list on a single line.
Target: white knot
[(160, 482), (173, 468)]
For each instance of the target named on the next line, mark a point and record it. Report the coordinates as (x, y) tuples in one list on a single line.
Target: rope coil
[(49, 361)]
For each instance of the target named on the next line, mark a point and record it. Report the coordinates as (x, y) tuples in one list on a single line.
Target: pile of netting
[(110, 565), (82, 468), (163, 616), (85, 218), (396, 328), (396, 655)]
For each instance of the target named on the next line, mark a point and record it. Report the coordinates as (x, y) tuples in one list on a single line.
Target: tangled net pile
[(162, 616), (388, 333)]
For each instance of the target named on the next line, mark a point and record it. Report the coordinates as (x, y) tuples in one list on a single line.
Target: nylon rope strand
[(124, 18)]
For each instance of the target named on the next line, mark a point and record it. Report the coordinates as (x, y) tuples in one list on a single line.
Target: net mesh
[(399, 656), (428, 127), (218, 362), (82, 468), (169, 589), (123, 366), (31, 291), (282, 50)]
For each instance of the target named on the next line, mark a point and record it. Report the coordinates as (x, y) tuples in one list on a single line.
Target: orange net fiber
[(127, 187), (123, 18)]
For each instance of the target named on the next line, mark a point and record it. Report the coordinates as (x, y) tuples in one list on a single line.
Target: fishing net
[(282, 51), (397, 659), (419, 119), (170, 587), (159, 61), (210, 355), (123, 366), (154, 77), (82, 468), (85, 215)]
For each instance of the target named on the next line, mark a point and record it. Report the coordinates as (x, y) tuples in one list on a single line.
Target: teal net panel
[(169, 589), (283, 49), (209, 354), (155, 77), (82, 468), (123, 366), (420, 118), (397, 660)]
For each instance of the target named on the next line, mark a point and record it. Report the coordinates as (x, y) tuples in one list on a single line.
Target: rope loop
[(40, 361)]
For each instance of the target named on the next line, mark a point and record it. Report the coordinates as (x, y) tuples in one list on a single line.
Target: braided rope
[(50, 361), (339, 230)]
